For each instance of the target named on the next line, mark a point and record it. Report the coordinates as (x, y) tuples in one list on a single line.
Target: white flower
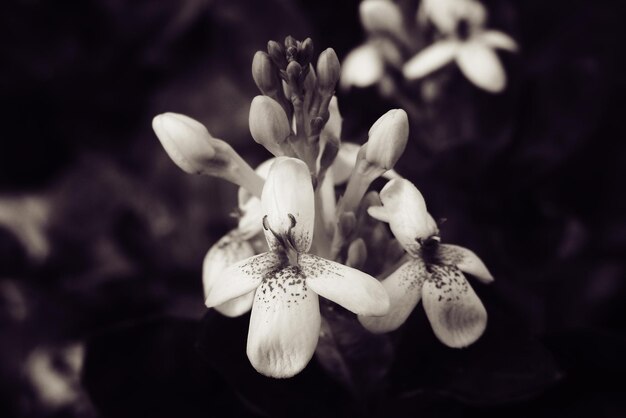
[(285, 320), (468, 44), (434, 272)]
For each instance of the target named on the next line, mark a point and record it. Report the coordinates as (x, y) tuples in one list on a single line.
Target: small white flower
[(285, 320), (468, 44), (434, 272)]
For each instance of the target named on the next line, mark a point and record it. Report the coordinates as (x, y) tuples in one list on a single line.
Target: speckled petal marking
[(456, 314), (351, 288), (404, 287), (285, 324), (466, 260), (243, 277)]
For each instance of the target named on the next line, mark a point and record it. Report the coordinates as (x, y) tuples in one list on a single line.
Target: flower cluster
[(295, 241), (460, 36)]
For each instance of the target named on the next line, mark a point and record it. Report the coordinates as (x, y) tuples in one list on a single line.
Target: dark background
[(531, 179)]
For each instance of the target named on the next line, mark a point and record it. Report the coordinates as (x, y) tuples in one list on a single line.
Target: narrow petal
[(242, 277), (224, 253), (285, 324), (481, 66), (251, 220), (497, 39), (466, 260), (404, 287), (351, 288), (430, 59), (379, 213), (456, 314), (362, 67)]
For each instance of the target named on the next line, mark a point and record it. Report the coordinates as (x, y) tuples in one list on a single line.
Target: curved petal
[(285, 324), (354, 290), (456, 314), (251, 220), (333, 125), (225, 252), (466, 260), (406, 211), (481, 66), (242, 277), (431, 58), (362, 67), (288, 202), (404, 287), (497, 39)]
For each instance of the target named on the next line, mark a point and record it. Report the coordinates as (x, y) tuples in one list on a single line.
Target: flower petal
[(225, 252), (362, 67), (242, 277), (497, 39), (431, 58), (481, 66), (345, 161), (404, 287), (354, 290), (333, 126), (456, 314), (251, 220), (285, 324), (466, 260), (405, 209), (288, 203)]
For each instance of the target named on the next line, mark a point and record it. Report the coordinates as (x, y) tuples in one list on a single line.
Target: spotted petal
[(351, 288), (481, 66), (466, 260), (431, 59), (242, 277), (457, 316), (404, 287), (284, 325)]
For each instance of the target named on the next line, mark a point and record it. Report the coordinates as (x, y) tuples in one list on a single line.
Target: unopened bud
[(291, 47), (277, 54), (268, 123), (328, 71), (387, 139), (265, 74), (305, 54), (186, 141), (294, 71)]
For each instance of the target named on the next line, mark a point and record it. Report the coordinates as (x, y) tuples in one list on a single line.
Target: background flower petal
[(404, 287), (351, 288), (362, 67), (285, 324), (481, 66), (455, 312), (497, 39), (430, 59)]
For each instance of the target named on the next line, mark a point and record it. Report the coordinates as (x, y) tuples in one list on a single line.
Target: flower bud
[(268, 124), (265, 74), (381, 16), (186, 141), (328, 70), (294, 71), (288, 204), (277, 54), (387, 139), (305, 54)]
